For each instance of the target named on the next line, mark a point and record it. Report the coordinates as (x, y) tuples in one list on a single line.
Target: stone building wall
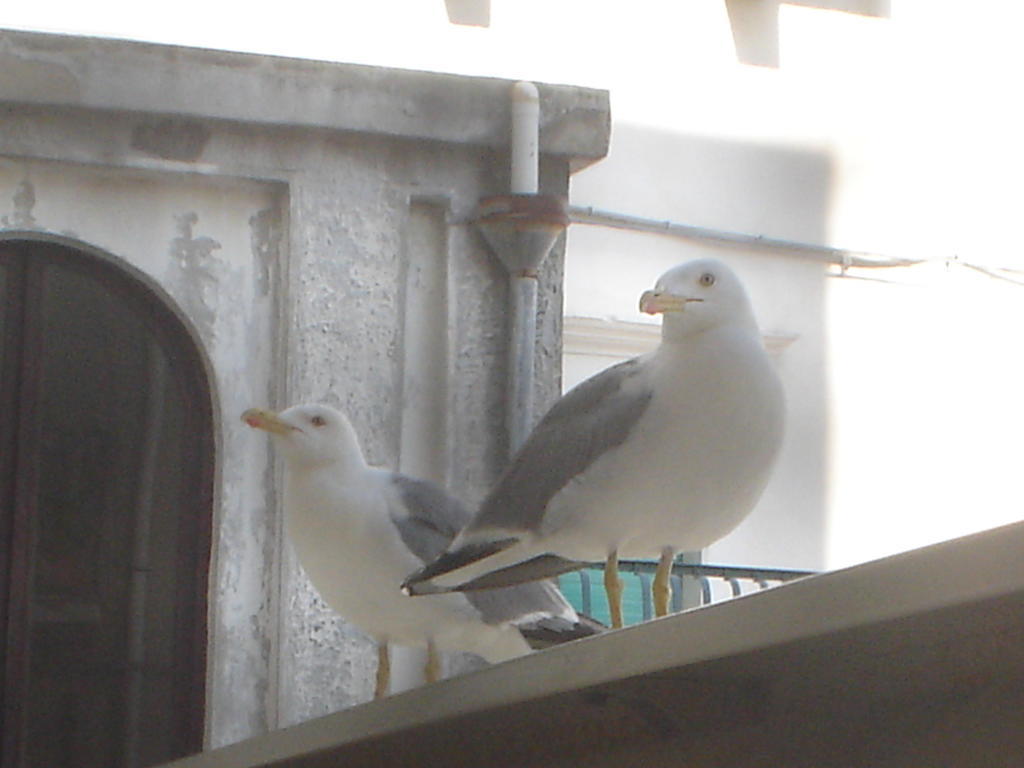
[(312, 222)]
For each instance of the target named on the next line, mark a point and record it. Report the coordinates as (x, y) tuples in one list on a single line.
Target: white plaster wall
[(903, 425), (749, 187), (926, 418), (894, 133)]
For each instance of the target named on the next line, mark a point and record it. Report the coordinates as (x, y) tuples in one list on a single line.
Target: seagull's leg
[(383, 670), (432, 670), (613, 588), (662, 587)]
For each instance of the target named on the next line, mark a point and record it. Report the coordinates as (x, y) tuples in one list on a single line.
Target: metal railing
[(693, 585)]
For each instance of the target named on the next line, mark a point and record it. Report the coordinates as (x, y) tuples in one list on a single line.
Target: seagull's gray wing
[(526, 601), (591, 419), (539, 610), (428, 518), (588, 421)]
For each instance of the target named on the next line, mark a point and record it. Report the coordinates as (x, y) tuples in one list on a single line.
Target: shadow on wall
[(775, 191)]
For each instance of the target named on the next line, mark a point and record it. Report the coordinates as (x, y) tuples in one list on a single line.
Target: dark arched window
[(106, 477)]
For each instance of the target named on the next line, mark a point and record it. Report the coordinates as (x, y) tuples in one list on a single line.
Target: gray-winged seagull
[(358, 530), (659, 454)]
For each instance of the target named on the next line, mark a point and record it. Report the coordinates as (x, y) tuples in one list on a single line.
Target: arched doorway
[(106, 477)]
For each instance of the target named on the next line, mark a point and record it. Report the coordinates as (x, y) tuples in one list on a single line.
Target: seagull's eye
[(318, 421), (707, 280)]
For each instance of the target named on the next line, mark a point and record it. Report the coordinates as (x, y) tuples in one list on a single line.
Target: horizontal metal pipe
[(839, 256)]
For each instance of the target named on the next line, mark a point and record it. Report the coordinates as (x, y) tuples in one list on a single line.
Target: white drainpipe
[(524, 153)]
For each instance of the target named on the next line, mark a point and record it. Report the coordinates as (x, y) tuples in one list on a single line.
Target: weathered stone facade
[(312, 222)]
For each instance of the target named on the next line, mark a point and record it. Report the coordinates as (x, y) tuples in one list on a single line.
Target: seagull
[(656, 455), (358, 530)]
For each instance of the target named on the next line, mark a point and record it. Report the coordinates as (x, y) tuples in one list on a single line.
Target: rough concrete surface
[(294, 212)]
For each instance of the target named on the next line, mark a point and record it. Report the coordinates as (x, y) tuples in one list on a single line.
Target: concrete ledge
[(108, 74), (884, 664)]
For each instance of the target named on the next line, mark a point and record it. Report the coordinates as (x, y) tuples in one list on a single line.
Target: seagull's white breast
[(692, 467)]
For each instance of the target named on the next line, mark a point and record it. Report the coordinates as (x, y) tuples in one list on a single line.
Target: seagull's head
[(696, 296), (309, 435)]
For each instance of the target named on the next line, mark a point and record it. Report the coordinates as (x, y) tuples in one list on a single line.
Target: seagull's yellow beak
[(656, 302), (257, 418)]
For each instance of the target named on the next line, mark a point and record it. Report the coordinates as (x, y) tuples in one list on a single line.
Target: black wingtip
[(418, 582), (534, 569), (551, 631)]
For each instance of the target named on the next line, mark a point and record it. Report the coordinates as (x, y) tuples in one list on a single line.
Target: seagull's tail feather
[(555, 630), (419, 583)]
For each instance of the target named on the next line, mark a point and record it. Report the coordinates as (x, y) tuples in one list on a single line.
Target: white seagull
[(660, 454), (358, 530)]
